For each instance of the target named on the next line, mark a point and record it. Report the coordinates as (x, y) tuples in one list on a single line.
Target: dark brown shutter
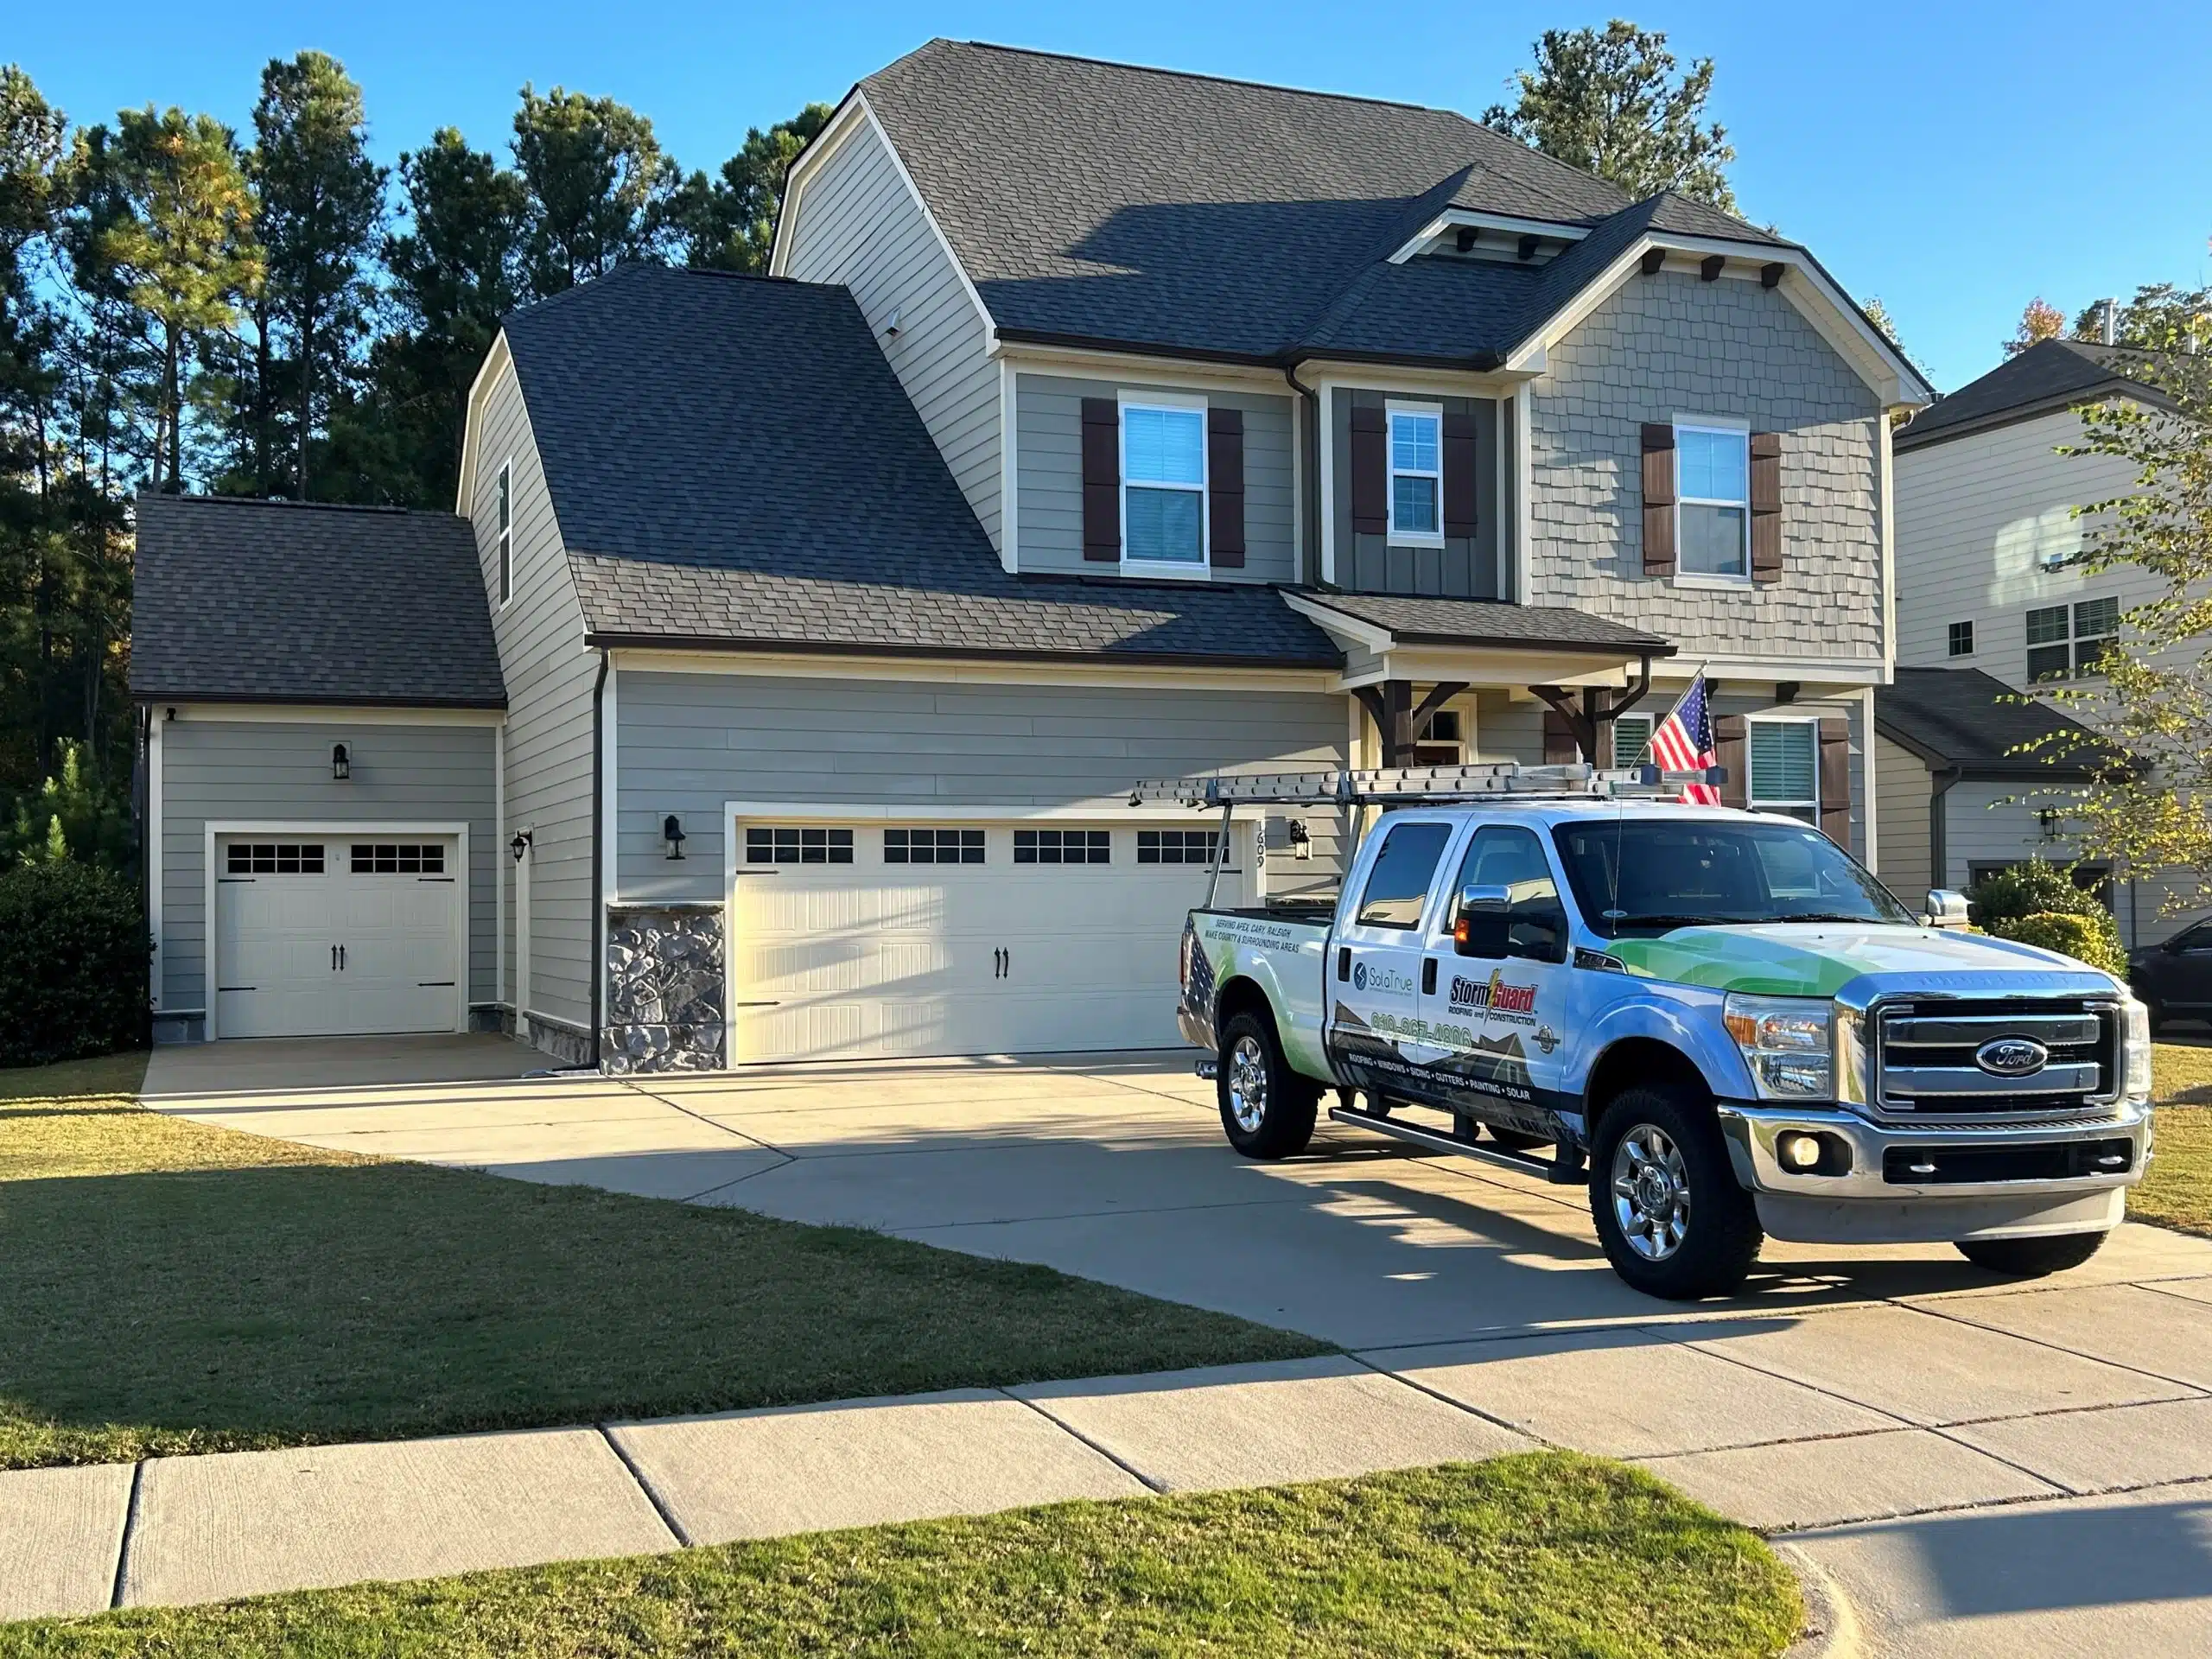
[(1370, 472), (1459, 469), (1559, 747), (1766, 507), (1102, 479), (1658, 499), (1731, 753), (1835, 781), (1225, 486)]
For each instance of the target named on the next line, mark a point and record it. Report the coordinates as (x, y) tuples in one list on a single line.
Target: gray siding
[(858, 224), (1048, 455), (1671, 345), (548, 673), (692, 742), (238, 771), (1463, 567), (1903, 789)]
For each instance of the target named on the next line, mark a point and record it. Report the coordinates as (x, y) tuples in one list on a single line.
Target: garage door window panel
[(1176, 846), (273, 858), (796, 844), (1063, 847), (933, 847), (398, 858)]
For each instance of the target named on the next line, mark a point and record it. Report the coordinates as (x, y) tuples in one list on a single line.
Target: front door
[(1493, 1018), (1374, 989)]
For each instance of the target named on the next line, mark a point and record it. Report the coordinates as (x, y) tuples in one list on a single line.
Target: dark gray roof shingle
[(733, 461), (2051, 374), (1962, 717), (1095, 200), (276, 601), (1489, 622)]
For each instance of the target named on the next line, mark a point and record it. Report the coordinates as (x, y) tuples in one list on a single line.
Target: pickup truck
[(1717, 1020)]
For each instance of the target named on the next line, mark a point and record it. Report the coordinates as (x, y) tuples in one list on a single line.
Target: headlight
[(1788, 1042), (2139, 1051)]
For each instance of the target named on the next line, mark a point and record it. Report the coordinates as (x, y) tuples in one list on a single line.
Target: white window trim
[(1757, 803), (503, 485), (1465, 713), (1178, 403), (1729, 425), (1648, 721), (1391, 471), (1973, 641)]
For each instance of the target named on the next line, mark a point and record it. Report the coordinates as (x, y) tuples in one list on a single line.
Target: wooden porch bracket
[(1397, 720), (1594, 710)]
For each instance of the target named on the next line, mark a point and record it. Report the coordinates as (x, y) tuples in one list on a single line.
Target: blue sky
[(1952, 159)]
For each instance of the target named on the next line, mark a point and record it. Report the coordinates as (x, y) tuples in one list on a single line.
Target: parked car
[(2174, 979)]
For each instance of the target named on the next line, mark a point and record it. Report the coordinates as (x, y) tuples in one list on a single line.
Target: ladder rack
[(1420, 786)]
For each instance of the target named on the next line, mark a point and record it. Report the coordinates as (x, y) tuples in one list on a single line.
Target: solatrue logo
[(1382, 981), (1493, 993)]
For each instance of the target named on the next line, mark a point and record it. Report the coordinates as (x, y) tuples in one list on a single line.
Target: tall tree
[(2040, 320), (599, 187), (321, 207), (180, 244), (729, 223), (1611, 104)]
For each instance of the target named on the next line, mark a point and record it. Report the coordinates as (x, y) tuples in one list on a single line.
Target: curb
[(1831, 1628)]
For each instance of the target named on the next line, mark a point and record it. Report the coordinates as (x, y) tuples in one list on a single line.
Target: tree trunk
[(173, 393), (262, 408), (307, 390)]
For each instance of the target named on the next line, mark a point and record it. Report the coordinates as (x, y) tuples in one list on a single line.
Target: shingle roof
[(2051, 374), (1964, 718), (1489, 622), (733, 461), (276, 601), (1098, 201)]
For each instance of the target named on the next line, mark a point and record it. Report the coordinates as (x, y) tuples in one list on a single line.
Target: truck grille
[(1928, 1059)]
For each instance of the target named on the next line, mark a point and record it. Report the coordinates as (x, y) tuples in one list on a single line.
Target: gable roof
[(733, 463), (240, 601), (1101, 202), (1965, 719), (1412, 619), (2051, 374)]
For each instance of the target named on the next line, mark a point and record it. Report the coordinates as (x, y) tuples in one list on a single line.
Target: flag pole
[(1672, 707)]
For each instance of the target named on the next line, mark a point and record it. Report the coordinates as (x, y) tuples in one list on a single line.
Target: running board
[(1558, 1169)]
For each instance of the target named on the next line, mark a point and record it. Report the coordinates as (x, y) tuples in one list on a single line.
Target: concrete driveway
[(1973, 1460)]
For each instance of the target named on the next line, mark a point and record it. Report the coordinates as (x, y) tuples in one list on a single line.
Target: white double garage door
[(318, 934), (874, 939)]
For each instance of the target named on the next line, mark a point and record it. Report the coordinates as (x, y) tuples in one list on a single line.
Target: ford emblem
[(2011, 1057)]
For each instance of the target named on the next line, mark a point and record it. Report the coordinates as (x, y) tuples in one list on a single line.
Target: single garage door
[(905, 940), (336, 936)]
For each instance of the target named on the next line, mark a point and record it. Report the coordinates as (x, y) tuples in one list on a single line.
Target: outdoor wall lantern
[(672, 833), (2047, 821), (1301, 844), (341, 763), (521, 844)]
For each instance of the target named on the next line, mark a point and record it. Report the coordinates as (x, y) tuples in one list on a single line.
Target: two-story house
[(1992, 600), (1098, 423)]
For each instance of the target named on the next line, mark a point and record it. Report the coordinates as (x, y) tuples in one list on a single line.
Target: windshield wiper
[(1619, 922), (1821, 916)]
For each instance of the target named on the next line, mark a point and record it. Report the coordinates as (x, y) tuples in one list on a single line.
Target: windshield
[(1640, 875)]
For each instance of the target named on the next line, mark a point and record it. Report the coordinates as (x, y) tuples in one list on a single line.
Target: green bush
[(74, 948), (2035, 888), (2087, 936)]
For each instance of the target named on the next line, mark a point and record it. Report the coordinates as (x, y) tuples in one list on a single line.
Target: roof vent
[(891, 324)]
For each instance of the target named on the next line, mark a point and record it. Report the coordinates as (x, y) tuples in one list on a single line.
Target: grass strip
[(1543, 1554)]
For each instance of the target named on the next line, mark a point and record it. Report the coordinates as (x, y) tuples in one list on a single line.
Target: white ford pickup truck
[(1718, 1020)]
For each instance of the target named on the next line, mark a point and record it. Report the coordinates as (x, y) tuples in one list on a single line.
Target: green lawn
[(167, 1288), (2176, 1189), (1545, 1553)]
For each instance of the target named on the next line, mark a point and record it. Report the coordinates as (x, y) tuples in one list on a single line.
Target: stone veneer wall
[(664, 1005)]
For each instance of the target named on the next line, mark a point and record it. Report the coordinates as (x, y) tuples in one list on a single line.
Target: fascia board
[(496, 358), (1452, 218)]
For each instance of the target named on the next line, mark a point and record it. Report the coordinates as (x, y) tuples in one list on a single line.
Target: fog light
[(1798, 1151)]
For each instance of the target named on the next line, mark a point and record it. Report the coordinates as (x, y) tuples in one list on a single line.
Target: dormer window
[(1164, 484), (1417, 474)]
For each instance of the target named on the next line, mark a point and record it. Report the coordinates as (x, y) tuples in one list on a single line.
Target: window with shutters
[(1416, 496), (1784, 767), (1713, 500), (1164, 484), (507, 532)]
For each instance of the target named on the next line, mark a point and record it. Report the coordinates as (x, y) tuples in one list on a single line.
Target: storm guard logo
[(1492, 996)]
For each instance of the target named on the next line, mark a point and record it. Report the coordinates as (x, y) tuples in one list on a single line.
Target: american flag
[(1684, 742)]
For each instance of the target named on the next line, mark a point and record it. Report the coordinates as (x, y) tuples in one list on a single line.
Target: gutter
[(1938, 822), (1309, 508), (598, 860), (1474, 363)]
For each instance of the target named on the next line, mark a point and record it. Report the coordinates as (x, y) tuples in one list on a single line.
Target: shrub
[(74, 948), (2086, 936), (2035, 888)]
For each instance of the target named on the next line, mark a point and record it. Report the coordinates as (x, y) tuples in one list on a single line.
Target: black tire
[(1515, 1140), (1719, 1238), (2030, 1258), (1267, 1108)]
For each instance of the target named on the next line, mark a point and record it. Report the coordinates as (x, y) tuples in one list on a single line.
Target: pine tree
[(729, 223), (599, 187)]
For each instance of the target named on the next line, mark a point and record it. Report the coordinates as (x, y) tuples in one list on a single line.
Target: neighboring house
[(1101, 423), (1988, 533)]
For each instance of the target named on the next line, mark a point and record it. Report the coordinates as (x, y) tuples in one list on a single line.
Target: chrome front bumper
[(1860, 1204)]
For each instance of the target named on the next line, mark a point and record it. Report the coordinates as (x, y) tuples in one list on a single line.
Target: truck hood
[(1820, 958)]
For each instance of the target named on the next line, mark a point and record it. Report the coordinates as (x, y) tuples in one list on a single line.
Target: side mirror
[(1947, 908), (1479, 929)]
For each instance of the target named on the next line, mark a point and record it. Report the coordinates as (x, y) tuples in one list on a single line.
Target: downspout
[(598, 858), (1310, 508), (1938, 815)]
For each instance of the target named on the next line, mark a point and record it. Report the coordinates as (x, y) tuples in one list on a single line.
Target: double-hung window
[(1417, 474), (2070, 639), (1785, 767), (507, 534), (1713, 498), (1164, 484)]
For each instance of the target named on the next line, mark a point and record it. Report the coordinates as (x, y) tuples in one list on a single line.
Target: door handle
[(1428, 977), (1343, 962), (342, 958), (1009, 964), (333, 958), (998, 964)]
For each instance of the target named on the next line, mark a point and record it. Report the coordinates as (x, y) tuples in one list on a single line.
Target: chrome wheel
[(1247, 1085), (1651, 1192)]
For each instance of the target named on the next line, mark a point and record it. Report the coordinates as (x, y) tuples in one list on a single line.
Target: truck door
[(1374, 959), (1494, 1008)]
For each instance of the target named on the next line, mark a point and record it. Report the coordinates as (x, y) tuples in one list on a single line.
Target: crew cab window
[(1405, 869), (1661, 874), (1505, 855)]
